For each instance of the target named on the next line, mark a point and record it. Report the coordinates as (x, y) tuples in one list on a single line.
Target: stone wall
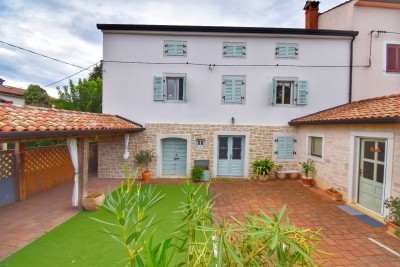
[(261, 143), (334, 171)]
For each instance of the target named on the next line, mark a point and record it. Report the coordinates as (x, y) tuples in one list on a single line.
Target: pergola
[(19, 124)]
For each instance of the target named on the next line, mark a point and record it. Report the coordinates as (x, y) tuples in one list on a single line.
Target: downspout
[(351, 70)]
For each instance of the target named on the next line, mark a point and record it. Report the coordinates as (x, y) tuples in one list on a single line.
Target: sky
[(66, 30)]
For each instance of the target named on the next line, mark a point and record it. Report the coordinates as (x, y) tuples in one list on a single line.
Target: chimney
[(311, 9), (1, 81)]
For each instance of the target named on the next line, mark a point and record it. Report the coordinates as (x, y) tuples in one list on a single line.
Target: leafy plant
[(307, 167), (334, 191), (144, 157), (393, 204), (263, 166), (197, 174), (36, 96)]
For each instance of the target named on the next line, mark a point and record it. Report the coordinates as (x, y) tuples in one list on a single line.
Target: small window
[(200, 143), (234, 50), (393, 58), (286, 51), (170, 87), (289, 91), (175, 48), (316, 146), (233, 89)]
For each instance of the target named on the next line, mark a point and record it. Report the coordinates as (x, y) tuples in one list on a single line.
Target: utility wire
[(33, 52), (72, 74)]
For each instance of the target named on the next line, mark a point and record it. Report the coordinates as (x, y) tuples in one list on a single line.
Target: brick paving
[(345, 236)]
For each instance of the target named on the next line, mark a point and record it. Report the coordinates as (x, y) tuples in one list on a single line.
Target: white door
[(372, 174)]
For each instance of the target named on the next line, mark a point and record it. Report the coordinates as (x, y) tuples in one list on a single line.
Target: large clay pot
[(91, 202), (307, 182), (146, 176)]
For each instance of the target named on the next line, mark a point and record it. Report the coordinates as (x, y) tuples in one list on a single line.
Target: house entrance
[(174, 156), (372, 171), (230, 156)]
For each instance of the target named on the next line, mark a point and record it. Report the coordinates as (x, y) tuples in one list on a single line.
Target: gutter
[(357, 121), (351, 70)]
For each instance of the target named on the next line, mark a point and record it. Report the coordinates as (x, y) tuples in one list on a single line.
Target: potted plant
[(307, 168), (144, 157), (333, 193), (393, 219), (91, 202), (279, 167), (197, 174), (262, 168)]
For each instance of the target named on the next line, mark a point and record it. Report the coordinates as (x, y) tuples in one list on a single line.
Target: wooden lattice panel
[(46, 168), (7, 164), (92, 150)]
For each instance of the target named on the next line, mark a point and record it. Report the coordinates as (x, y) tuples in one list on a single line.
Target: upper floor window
[(233, 89), (393, 58), (234, 50), (286, 51), (289, 91), (175, 48), (170, 87)]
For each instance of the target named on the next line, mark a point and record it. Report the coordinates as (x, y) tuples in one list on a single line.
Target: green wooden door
[(230, 156), (174, 156)]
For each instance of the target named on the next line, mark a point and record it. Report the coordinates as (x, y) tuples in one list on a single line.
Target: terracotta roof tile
[(31, 118), (12, 90), (372, 109)]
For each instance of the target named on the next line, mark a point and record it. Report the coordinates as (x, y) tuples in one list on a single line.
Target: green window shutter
[(174, 48), (184, 88), (281, 51), (234, 50), (273, 91), (238, 85), (158, 88), (291, 52), (280, 148), (169, 49), (290, 151), (302, 93), (228, 91), (240, 50), (229, 50)]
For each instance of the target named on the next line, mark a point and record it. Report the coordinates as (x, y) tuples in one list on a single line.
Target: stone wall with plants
[(261, 141)]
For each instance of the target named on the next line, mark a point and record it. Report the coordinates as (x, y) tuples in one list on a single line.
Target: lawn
[(81, 242)]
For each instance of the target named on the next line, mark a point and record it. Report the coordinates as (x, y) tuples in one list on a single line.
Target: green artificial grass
[(80, 241)]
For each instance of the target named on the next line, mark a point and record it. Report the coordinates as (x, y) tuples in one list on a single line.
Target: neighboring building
[(376, 57), (12, 95), (223, 94), (356, 148)]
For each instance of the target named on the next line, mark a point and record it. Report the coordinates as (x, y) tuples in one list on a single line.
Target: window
[(200, 143), (233, 89), (393, 58), (234, 50), (170, 87), (284, 147), (289, 91), (315, 146), (286, 51), (175, 48)]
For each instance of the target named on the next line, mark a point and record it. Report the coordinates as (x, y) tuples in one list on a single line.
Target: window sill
[(315, 158), (173, 101)]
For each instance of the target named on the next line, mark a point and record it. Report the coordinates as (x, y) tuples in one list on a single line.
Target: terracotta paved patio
[(345, 236)]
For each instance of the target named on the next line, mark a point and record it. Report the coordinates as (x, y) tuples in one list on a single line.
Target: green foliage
[(97, 72), (334, 190), (144, 157), (263, 166), (36, 96), (85, 96), (197, 174), (307, 167), (393, 204)]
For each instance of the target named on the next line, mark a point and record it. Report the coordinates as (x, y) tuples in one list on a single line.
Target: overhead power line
[(36, 53), (72, 74)]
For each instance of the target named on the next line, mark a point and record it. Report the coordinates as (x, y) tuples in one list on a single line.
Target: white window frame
[(295, 45), (385, 58), (244, 44), (308, 147), (174, 76), (200, 143), (243, 89), (293, 95), (274, 147), (174, 41)]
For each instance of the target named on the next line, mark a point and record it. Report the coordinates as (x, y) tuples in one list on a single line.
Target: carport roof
[(30, 122)]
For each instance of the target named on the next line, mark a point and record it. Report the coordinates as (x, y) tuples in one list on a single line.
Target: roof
[(384, 109), (370, 3), (27, 122), (223, 29), (14, 91)]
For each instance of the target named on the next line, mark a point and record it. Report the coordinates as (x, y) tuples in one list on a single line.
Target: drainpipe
[(351, 70)]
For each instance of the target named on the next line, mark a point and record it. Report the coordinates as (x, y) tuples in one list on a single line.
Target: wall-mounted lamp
[(233, 120)]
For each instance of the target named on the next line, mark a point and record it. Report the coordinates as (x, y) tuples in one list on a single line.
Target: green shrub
[(263, 166), (197, 174), (393, 204)]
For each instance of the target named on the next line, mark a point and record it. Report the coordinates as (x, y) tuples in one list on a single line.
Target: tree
[(36, 96), (97, 72), (85, 96)]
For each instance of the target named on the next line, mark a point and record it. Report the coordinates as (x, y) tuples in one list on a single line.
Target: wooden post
[(83, 159), (19, 153)]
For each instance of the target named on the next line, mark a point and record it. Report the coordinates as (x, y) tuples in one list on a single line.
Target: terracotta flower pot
[(307, 182), (294, 175), (281, 176), (91, 202), (333, 196), (263, 178), (392, 229), (146, 176)]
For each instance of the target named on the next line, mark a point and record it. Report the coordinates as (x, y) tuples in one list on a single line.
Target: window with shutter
[(158, 88), (393, 58), (302, 92), (285, 147), (286, 51), (233, 89), (170, 87), (234, 50), (289, 91), (175, 48)]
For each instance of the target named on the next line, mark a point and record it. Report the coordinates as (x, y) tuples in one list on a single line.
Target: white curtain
[(73, 152), (126, 153)]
